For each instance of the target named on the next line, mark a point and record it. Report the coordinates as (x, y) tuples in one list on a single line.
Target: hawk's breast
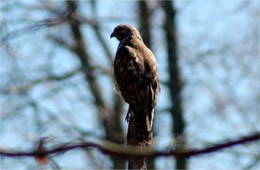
[(136, 74)]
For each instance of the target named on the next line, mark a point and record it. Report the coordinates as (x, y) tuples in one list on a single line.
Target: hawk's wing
[(136, 75)]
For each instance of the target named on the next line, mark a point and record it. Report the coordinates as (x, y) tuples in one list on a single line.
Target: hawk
[(136, 77)]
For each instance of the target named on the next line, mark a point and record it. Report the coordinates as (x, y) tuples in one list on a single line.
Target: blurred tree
[(175, 82), (109, 116)]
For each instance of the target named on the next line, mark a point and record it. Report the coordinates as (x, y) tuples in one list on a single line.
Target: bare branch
[(62, 42), (39, 25), (123, 151), (29, 85)]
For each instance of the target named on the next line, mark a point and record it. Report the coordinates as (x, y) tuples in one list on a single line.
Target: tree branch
[(32, 83), (38, 25), (122, 151)]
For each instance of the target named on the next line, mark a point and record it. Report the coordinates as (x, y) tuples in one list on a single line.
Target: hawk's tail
[(143, 125)]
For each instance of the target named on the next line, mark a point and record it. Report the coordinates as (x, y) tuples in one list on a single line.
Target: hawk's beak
[(112, 35)]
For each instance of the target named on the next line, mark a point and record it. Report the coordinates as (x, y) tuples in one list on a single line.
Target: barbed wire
[(124, 152)]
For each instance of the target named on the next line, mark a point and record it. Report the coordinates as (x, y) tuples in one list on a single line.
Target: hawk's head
[(125, 31)]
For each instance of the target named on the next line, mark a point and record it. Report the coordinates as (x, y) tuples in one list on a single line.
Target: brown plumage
[(136, 76)]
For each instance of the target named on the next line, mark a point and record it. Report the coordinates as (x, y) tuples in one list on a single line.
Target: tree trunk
[(175, 82), (109, 116)]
